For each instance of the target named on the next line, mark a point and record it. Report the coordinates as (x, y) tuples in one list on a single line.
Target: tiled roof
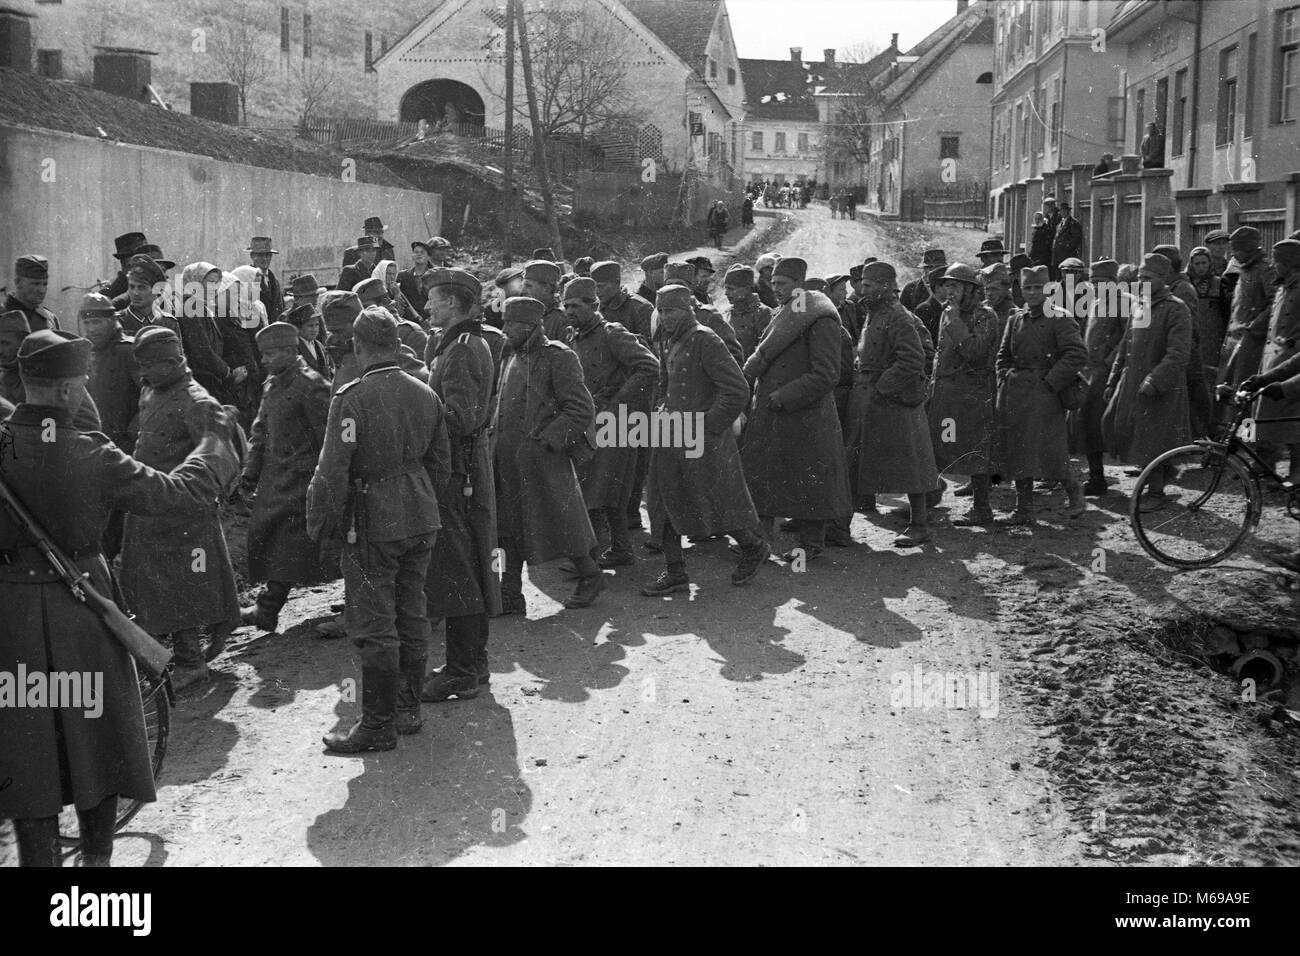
[(783, 89), (683, 25), (975, 25), (849, 77)]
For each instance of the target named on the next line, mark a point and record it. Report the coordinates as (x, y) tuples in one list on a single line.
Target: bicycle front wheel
[(1210, 503)]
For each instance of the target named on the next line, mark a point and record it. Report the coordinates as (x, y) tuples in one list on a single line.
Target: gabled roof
[(683, 25), (783, 89), (974, 25), (851, 78)]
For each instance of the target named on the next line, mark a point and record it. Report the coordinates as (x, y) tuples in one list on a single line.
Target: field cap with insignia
[(654, 261), (675, 297), (881, 272), (739, 275), (143, 268), (339, 309), (607, 271), (580, 287), (1034, 275), (32, 267), (376, 328), (96, 306), (457, 277), (304, 285), (524, 309), (1104, 269), (794, 268), (14, 321), (51, 353), (278, 335), (156, 342), (542, 270), (370, 291), (301, 314), (679, 273), (996, 270)]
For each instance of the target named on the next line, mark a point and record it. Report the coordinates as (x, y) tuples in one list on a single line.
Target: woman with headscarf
[(386, 271), (238, 322), (200, 336), (1211, 320)]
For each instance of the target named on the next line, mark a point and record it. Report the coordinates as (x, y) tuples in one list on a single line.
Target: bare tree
[(236, 43), (313, 84), (854, 112)]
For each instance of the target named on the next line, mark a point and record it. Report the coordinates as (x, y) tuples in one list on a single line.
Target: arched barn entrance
[(442, 101)]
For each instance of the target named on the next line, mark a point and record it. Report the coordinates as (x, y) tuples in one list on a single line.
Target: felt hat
[(262, 244), (524, 309), (675, 297), (580, 287), (542, 270), (793, 268), (339, 309), (607, 271), (739, 275), (156, 342), (654, 261)]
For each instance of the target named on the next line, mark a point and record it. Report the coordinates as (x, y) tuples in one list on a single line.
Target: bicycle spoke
[(1206, 513)]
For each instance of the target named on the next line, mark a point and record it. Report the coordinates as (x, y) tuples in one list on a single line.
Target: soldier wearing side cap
[(617, 304), (13, 330), (652, 267), (31, 283), (51, 758), (682, 273), (462, 587), (125, 246), (542, 282), (176, 571), (1243, 344), (283, 449), (544, 421), (619, 371), (1102, 337), (339, 310), (384, 464), (748, 316)]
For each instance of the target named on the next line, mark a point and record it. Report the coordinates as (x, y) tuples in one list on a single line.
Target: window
[(1248, 121), (838, 167), (1037, 120), (49, 64), (1056, 114), (948, 147), (731, 77), (1162, 104), (306, 36), (370, 51), (779, 145), (1024, 130), (1115, 119), (997, 141), (1180, 113), (715, 146), (713, 68), (1225, 127), (1139, 115), (803, 142), (1287, 73), (284, 29), (756, 141)]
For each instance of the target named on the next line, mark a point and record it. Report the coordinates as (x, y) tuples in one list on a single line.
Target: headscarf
[(243, 286), (193, 286), (380, 272), (1201, 283)]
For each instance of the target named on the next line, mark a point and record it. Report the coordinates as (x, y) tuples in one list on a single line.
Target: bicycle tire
[(156, 700), (1204, 470)]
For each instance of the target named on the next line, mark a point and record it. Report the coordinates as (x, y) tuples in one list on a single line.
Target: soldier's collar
[(381, 367), (28, 414)]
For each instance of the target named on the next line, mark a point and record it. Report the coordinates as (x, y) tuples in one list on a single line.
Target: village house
[(846, 109), (781, 131)]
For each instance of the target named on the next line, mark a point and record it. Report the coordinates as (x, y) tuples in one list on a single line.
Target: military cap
[(339, 309), (702, 262), (934, 257), (156, 254), (370, 291), (654, 261), (1020, 262), (542, 270), (544, 252), (991, 247), (960, 272), (815, 284), (793, 268), (996, 270), (32, 267), (935, 276), (145, 269), (1288, 251), (1105, 269), (1127, 272), (1072, 264), (373, 223), (607, 271), (767, 260), (585, 262), (304, 285), (523, 309), (1035, 275), (880, 272), (869, 259), (262, 244), (52, 353), (96, 306), (156, 341), (1245, 237), (127, 243), (278, 335), (739, 275), (1172, 253), (1154, 264), (580, 287), (1216, 235), (679, 273), (301, 314), (675, 297), (14, 321), (506, 274), (835, 279), (855, 273), (457, 277), (422, 243), (376, 327), (367, 242), (437, 242)]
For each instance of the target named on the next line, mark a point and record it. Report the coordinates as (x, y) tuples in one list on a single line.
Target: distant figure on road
[(747, 211), (718, 221), (851, 201)]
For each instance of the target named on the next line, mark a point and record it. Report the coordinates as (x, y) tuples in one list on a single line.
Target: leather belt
[(30, 554), (410, 468)]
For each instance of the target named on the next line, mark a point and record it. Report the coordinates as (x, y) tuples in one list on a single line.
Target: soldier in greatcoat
[(619, 371), (1283, 342), (542, 282), (748, 316), (682, 273), (1200, 402), (1041, 354), (339, 310), (652, 267), (375, 489), (963, 389), (52, 757), (700, 494), (1147, 405), (764, 265), (617, 304), (283, 449), (543, 421), (1243, 343), (889, 438), (462, 586), (13, 329), (176, 571), (793, 454), (1101, 337)]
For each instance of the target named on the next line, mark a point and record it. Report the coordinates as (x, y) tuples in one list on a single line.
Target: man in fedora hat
[(362, 265), (1067, 241), (168, 298), (125, 246), (374, 228), (31, 283), (918, 290), (703, 278), (305, 291), (260, 250), (991, 251)]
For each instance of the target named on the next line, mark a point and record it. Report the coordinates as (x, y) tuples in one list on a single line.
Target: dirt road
[(785, 722)]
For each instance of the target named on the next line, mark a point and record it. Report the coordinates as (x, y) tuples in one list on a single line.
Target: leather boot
[(1023, 515), (1075, 505), (981, 512), (97, 826), (375, 730), (585, 594), (459, 678), (410, 680), (188, 666), (38, 841)]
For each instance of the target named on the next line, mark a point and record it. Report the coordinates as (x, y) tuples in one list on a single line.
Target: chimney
[(893, 40), (124, 71), (829, 54), (15, 40), (796, 54)]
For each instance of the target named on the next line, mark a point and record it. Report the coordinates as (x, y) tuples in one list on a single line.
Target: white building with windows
[(781, 133)]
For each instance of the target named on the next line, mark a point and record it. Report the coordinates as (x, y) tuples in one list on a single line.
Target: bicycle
[(158, 698), (1212, 497)]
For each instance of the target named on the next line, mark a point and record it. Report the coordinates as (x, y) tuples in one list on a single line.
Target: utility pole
[(539, 142), (508, 219)]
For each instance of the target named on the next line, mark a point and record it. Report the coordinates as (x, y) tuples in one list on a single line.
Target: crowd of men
[(441, 439)]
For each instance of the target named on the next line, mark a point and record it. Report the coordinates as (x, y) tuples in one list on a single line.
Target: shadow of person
[(289, 662), (455, 786), (200, 742)]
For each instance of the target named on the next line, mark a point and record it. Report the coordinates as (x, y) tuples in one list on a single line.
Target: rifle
[(151, 655)]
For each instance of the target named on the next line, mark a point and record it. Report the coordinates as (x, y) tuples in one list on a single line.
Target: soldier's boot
[(981, 512), (458, 678), (38, 841), (218, 636), (189, 667), (1074, 503), (934, 498), (410, 680), (512, 585), (620, 543), (671, 581), (482, 668), (839, 533), (375, 730), (1095, 486), (917, 531), (1023, 515), (591, 582), (754, 551), (97, 826)]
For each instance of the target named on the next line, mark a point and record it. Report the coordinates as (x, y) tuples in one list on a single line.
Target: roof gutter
[(1196, 100)]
